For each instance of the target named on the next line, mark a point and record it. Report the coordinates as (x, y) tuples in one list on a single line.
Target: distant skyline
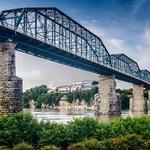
[(123, 26)]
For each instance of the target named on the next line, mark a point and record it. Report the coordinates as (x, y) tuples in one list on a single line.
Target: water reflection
[(61, 116)]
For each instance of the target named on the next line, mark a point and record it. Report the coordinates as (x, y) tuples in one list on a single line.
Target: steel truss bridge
[(50, 34)]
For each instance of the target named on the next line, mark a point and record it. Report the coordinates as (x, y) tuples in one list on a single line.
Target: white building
[(77, 86), (83, 85), (52, 89), (64, 89)]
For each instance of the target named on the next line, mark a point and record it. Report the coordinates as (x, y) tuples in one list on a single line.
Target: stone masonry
[(137, 102), (107, 101), (10, 84), (148, 102)]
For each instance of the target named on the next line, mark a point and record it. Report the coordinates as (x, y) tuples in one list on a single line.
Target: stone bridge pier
[(148, 102), (107, 103), (137, 102), (10, 84)]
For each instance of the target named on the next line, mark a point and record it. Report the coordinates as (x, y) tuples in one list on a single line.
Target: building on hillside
[(76, 86), (83, 85), (64, 89), (52, 89)]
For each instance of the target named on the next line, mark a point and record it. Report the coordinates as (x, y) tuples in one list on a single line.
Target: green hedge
[(23, 127), (129, 142)]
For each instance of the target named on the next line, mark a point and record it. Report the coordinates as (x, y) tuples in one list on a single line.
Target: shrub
[(23, 127), (2, 147), (17, 128), (145, 145), (53, 134), (104, 131), (91, 144), (50, 147), (81, 129), (22, 146), (88, 144), (122, 143), (131, 142), (77, 146), (136, 125)]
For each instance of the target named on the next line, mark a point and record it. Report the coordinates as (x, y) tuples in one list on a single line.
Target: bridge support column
[(137, 103), (10, 84), (108, 104), (148, 102)]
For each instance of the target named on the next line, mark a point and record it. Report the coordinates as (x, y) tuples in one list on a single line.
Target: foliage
[(23, 146), (48, 98), (3, 147), (34, 93), (50, 147), (137, 125), (88, 144), (86, 95), (132, 141), (17, 128), (129, 142), (41, 95), (125, 97), (80, 129), (53, 133), (22, 127)]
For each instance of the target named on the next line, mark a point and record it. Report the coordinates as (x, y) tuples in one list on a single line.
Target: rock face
[(10, 84), (137, 102), (107, 102)]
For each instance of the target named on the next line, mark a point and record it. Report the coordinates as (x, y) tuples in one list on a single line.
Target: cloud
[(92, 26), (115, 45), (146, 37)]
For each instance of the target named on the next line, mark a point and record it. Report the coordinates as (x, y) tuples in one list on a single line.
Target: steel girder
[(127, 65), (53, 27)]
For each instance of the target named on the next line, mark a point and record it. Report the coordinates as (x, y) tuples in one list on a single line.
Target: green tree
[(35, 94)]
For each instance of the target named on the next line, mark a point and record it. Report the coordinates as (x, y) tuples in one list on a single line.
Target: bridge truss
[(53, 27)]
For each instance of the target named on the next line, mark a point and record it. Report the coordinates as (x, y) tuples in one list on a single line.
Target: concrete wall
[(10, 84)]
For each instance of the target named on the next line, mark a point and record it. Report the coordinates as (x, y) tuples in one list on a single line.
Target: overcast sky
[(123, 26)]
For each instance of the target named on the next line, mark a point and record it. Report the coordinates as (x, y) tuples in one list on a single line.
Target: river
[(61, 116)]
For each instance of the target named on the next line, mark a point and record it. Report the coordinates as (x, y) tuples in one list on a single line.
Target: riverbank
[(23, 127)]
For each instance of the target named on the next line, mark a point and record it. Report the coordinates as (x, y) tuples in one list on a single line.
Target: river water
[(63, 116)]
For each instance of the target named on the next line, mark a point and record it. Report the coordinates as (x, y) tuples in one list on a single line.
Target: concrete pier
[(108, 105), (137, 102), (10, 84)]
